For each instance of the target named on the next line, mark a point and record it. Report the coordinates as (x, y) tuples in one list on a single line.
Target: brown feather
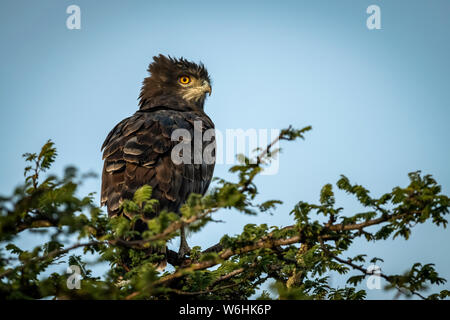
[(138, 149)]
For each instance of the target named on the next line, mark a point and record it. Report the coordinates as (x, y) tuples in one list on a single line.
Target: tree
[(298, 257)]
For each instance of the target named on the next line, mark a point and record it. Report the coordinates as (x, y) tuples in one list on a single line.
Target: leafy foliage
[(297, 258)]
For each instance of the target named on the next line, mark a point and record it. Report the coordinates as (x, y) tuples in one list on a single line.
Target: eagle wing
[(138, 152)]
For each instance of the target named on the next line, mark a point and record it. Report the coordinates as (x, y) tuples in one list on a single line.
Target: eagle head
[(175, 83)]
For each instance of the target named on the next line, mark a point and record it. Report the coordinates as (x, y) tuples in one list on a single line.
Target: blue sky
[(378, 100)]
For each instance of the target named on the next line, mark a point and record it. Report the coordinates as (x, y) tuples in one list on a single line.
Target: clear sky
[(378, 100)]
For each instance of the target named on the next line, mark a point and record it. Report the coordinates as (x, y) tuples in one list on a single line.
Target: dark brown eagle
[(138, 151)]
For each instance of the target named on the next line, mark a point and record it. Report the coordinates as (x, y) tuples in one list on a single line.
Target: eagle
[(139, 150)]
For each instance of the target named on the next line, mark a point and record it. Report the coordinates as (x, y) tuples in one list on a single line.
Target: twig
[(364, 271), (52, 254), (173, 227), (187, 293)]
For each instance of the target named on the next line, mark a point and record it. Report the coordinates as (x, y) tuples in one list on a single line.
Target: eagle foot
[(184, 247)]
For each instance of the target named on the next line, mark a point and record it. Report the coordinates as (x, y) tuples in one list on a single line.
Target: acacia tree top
[(296, 258)]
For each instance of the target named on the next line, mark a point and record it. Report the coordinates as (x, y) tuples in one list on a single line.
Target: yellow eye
[(185, 79)]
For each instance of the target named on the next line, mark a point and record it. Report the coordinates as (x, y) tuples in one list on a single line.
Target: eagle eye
[(184, 79)]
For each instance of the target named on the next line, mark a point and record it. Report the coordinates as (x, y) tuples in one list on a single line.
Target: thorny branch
[(364, 271)]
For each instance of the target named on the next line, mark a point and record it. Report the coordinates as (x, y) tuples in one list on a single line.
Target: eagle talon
[(184, 250)]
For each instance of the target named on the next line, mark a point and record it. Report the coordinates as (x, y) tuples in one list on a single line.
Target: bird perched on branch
[(138, 151)]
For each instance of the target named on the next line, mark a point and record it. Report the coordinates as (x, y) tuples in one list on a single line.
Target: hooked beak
[(207, 87)]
